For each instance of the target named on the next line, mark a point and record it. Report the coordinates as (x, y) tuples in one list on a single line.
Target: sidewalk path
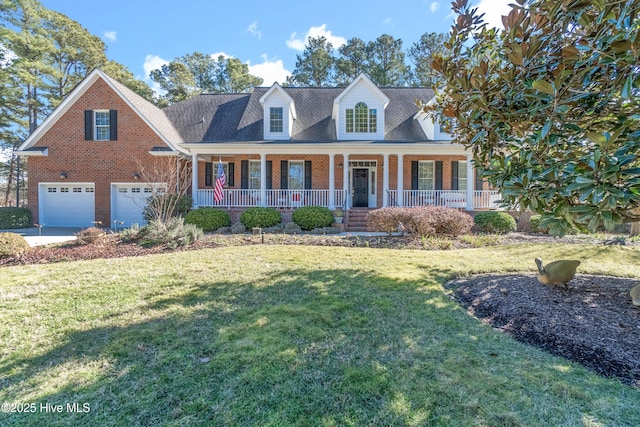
[(46, 235)]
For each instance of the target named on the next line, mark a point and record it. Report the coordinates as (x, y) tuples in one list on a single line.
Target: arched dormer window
[(361, 119)]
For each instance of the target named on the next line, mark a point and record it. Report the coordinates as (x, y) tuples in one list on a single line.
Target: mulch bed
[(592, 321)]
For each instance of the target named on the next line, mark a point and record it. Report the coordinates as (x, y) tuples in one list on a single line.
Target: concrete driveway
[(46, 235)]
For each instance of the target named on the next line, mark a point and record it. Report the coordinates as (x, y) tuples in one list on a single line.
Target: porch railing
[(482, 199), (274, 198)]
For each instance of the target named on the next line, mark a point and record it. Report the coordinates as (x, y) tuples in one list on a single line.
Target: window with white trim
[(276, 121), (462, 175), (296, 175), (361, 119), (426, 175), (254, 175), (102, 125)]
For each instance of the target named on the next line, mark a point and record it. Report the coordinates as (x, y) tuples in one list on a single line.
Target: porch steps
[(357, 220)]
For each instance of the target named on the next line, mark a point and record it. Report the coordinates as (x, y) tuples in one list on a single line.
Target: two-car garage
[(63, 204)]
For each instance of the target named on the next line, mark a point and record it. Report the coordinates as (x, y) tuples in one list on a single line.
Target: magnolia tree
[(550, 106)]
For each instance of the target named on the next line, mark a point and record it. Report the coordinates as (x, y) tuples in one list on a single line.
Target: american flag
[(221, 179)]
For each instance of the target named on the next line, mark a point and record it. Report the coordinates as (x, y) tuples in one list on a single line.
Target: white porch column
[(400, 179), (470, 183), (345, 181), (194, 180), (263, 179), (385, 181), (332, 181)]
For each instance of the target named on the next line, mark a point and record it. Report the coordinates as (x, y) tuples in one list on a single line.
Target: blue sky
[(267, 35)]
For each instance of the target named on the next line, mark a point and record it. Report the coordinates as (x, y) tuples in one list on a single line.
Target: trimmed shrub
[(89, 236), (292, 228), (535, 224), (420, 221), (238, 228), (12, 244), (439, 221), (208, 219), (389, 220), (260, 217), (12, 217), (310, 217), (173, 233), (495, 222)]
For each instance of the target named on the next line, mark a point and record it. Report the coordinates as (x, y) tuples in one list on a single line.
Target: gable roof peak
[(362, 77), (276, 87)]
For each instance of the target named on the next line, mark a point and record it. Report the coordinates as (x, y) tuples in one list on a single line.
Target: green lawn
[(288, 335)]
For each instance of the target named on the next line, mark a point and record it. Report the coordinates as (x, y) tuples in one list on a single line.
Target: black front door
[(360, 188)]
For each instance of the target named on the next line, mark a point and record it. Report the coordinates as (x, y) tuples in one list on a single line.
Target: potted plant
[(338, 215)]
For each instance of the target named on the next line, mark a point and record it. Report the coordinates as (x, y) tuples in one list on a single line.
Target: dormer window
[(276, 120), (362, 119)]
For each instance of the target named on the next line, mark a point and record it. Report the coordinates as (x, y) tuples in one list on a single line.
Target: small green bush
[(535, 224), (12, 244), (260, 217), (12, 217), (208, 219), (495, 222), (89, 236), (172, 232), (310, 217), (238, 228)]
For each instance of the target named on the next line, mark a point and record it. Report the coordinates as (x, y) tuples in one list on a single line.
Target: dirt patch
[(592, 321)]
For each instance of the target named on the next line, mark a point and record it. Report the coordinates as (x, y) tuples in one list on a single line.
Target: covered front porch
[(339, 175)]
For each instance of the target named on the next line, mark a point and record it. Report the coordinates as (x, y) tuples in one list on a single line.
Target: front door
[(360, 188)]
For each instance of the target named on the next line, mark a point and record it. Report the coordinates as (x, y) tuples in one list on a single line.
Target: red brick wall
[(102, 162)]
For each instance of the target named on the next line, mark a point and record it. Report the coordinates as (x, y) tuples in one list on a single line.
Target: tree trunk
[(7, 193), (635, 228)]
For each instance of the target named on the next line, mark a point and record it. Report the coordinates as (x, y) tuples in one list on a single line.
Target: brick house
[(280, 147)]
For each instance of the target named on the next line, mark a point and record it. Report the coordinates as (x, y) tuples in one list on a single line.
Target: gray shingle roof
[(211, 118)]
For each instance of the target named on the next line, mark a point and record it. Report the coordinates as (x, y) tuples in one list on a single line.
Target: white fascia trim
[(60, 110), (33, 153)]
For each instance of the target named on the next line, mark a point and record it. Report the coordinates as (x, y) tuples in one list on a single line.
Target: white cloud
[(298, 43), (110, 35), (493, 11), (153, 62), (216, 55), (253, 30), (270, 70), (434, 6), (389, 23)]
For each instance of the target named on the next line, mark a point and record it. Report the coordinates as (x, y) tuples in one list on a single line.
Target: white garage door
[(67, 204), (127, 203)]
